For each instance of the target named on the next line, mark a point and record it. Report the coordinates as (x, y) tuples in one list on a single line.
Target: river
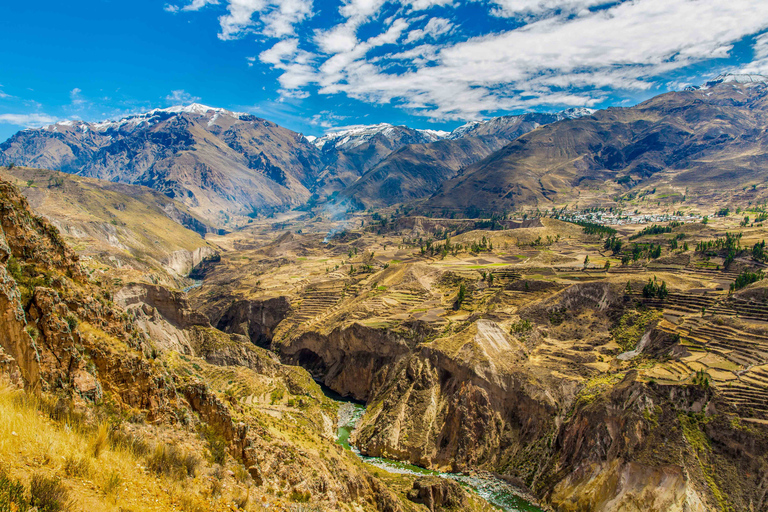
[(491, 489)]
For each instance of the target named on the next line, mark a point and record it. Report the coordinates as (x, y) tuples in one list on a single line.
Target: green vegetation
[(758, 252), (655, 230), (596, 386), (632, 325), (591, 228), (522, 327), (217, 445), (653, 289), (461, 295), (746, 278)]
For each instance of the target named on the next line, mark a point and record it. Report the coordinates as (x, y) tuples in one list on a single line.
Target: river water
[(491, 489)]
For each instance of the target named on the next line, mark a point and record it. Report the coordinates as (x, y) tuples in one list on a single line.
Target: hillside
[(348, 154), (701, 144), (418, 170), (223, 165), (133, 230)]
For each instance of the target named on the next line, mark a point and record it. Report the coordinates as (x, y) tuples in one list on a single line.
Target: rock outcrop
[(438, 494), (254, 318)]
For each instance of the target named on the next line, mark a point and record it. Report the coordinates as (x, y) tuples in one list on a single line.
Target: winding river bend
[(491, 489)]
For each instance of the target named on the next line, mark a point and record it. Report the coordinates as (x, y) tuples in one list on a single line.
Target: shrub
[(12, 495), (746, 278), (101, 440), (129, 442), (48, 494), (300, 497), (522, 326), (217, 445), (170, 460), (111, 482), (71, 322), (77, 466)]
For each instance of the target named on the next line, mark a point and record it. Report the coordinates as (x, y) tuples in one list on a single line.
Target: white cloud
[(759, 64), (181, 96), (277, 18), (4, 94), (295, 63), (27, 120), (435, 27), (515, 8), (553, 53), (76, 97), (623, 47), (196, 5)]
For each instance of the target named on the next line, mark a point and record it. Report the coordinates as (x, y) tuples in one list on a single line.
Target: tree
[(586, 260), (461, 295), (607, 265)]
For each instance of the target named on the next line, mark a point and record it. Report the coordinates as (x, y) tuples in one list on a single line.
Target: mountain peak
[(356, 135), (731, 78)]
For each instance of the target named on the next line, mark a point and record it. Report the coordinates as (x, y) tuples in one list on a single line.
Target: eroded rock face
[(354, 360), (438, 494), (440, 412), (182, 262), (21, 350), (165, 315), (255, 319)]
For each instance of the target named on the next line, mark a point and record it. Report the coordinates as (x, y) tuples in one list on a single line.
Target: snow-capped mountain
[(355, 136), (730, 78), (220, 163), (149, 118), (512, 124)]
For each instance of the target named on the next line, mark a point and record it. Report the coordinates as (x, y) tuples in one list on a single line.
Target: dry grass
[(67, 465)]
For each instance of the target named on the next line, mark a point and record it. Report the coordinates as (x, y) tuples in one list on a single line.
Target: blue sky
[(316, 65)]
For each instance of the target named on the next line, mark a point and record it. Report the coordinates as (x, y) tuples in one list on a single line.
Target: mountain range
[(228, 166)]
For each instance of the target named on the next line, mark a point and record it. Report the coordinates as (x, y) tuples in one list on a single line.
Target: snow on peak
[(731, 78), (468, 128), (464, 129), (149, 118), (354, 136), (196, 108), (575, 113)]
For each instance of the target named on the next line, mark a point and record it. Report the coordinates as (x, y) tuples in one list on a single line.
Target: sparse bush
[(217, 445), (48, 494), (460, 296), (76, 465), (100, 441), (522, 326), (170, 460), (12, 495), (276, 395), (243, 500), (300, 497), (216, 487), (190, 503), (241, 474), (129, 442), (111, 482), (71, 322)]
